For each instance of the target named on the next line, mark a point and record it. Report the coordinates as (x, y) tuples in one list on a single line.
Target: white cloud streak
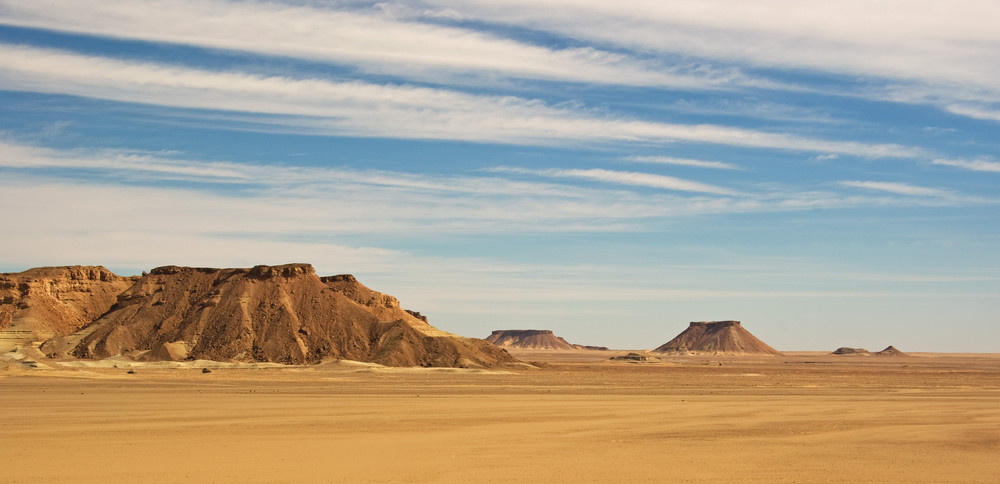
[(897, 188), (951, 47), (364, 109), (630, 178), (974, 165), (367, 38), (667, 160), (64, 188)]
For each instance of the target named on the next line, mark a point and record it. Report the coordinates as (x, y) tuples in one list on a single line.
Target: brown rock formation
[(284, 314), (635, 358), (717, 337), (537, 339), (48, 302), (890, 351), (846, 350)]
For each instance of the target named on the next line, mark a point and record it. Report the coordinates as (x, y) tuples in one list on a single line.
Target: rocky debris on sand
[(635, 358)]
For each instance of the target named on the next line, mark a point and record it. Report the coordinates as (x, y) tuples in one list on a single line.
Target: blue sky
[(826, 173)]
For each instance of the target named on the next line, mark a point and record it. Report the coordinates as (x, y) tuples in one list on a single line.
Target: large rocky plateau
[(282, 314)]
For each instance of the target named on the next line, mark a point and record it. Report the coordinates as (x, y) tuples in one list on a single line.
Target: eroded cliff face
[(283, 314), (45, 302), (383, 306)]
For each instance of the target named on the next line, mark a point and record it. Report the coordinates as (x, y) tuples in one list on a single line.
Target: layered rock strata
[(284, 314)]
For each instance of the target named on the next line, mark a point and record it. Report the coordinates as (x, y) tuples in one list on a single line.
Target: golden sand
[(799, 418)]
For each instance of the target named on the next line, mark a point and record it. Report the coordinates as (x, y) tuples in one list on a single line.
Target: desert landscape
[(507, 241), (127, 395), (575, 417)]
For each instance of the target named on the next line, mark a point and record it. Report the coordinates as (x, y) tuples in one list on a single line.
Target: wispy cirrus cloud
[(358, 108), (630, 178), (974, 165), (897, 188), (668, 160), (951, 51), (362, 36)]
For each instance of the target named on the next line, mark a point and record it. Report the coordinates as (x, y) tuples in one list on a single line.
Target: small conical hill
[(890, 351), (717, 337)]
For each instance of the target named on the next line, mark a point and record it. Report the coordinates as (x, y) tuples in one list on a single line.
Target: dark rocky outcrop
[(845, 350), (635, 358), (888, 351)]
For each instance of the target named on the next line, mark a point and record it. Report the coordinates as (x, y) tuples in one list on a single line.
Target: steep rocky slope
[(717, 337), (284, 314), (45, 302)]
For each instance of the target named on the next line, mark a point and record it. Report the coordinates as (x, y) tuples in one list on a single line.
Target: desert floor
[(796, 418)]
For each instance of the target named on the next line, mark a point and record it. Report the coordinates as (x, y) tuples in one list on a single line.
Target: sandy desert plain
[(578, 417)]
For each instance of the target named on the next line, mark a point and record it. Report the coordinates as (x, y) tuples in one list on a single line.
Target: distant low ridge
[(888, 351), (538, 339), (717, 337)]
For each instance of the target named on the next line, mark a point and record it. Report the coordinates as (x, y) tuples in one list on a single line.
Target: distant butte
[(537, 339), (717, 337)]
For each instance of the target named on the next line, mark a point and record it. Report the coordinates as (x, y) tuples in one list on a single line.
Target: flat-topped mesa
[(717, 337), (538, 339), (284, 313)]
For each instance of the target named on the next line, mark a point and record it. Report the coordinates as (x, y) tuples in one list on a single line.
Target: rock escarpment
[(47, 302), (537, 339), (282, 314), (717, 337)]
